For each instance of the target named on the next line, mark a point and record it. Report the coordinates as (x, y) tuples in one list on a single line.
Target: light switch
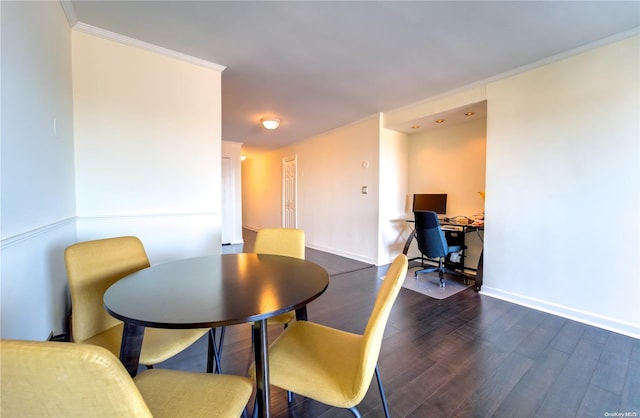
[(365, 190)]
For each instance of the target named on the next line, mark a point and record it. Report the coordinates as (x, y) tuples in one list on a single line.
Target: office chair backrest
[(92, 267), (287, 242), (68, 380), (430, 237), (374, 331)]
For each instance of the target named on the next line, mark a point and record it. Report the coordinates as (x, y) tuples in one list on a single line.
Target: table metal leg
[(301, 313), (480, 272), (407, 244), (262, 367), (130, 347)]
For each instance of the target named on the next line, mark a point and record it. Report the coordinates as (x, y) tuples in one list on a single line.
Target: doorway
[(289, 192)]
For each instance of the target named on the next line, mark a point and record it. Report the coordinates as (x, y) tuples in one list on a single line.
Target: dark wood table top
[(214, 291)]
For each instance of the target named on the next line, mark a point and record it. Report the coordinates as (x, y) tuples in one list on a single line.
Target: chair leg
[(382, 395), (223, 331), (210, 352), (355, 412), (214, 352), (441, 272), (255, 408)]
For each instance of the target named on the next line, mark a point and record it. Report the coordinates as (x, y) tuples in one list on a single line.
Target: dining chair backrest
[(67, 380), (287, 242), (92, 267), (374, 330)]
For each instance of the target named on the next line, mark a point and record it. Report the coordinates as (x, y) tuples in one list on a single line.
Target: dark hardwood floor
[(464, 356)]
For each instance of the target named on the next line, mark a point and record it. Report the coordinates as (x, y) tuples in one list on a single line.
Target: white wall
[(38, 194), (148, 147), (146, 162), (37, 163), (334, 213), (563, 187), (393, 180)]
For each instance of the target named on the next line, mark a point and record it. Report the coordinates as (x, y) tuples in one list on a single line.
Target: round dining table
[(215, 291)]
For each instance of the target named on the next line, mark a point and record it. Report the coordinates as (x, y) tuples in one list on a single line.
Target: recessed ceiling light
[(440, 121), (415, 127), (470, 113)]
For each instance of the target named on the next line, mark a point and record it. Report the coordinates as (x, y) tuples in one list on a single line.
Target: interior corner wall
[(332, 169), (394, 157), (37, 209), (147, 148), (563, 188)]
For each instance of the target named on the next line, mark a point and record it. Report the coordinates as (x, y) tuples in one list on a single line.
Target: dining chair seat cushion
[(169, 393), (327, 356), (158, 344)]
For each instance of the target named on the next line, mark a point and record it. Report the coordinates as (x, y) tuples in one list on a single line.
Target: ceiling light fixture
[(470, 113), (270, 123), (415, 127), (440, 121)]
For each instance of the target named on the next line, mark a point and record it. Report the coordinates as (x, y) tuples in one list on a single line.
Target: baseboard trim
[(352, 256), (589, 318)]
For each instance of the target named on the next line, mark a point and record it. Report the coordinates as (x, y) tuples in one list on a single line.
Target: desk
[(456, 235), (214, 291)]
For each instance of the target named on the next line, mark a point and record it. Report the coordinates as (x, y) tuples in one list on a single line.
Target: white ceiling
[(321, 65)]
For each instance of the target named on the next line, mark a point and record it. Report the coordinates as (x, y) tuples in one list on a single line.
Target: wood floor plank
[(631, 392), (461, 385), (568, 391), (496, 386), (598, 402), (568, 337), (612, 367), (529, 393), (536, 344)]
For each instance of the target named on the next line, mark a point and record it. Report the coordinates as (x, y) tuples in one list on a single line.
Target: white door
[(227, 201), (289, 192)]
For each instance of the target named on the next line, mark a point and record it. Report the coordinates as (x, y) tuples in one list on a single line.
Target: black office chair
[(432, 243)]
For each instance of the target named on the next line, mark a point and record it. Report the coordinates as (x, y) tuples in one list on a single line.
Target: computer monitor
[(434, 202)]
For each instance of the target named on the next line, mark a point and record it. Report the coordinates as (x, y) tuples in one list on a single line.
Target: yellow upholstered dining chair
[(81, 380), (93, 266), (287, 242), (330, 365)]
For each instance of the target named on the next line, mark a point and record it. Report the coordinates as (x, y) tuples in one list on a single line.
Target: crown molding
[(125, 40), (69, 12)]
